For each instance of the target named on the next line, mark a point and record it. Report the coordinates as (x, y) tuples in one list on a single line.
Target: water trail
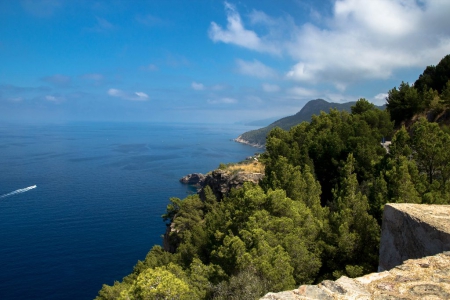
[(19, 191)]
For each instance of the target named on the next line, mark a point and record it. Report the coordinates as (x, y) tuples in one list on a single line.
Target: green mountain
[(314, 107)]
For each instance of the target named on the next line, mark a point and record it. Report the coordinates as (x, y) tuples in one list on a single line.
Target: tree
[(435, 77), (430, 149), (159, 283), (361, 106), (403, 103), (356, 232), (445, 95)]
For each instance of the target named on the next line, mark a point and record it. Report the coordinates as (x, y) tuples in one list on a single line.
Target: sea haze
[(100, 191)]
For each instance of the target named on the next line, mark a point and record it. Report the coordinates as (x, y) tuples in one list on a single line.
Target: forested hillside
[(258, 137), (317, 212)]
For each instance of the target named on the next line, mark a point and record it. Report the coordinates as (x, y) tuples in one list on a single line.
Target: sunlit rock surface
[(424, 278)]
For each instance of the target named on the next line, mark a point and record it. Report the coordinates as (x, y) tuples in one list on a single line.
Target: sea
[(81, 203)]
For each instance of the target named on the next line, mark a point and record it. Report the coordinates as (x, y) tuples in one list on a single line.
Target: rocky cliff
[(220, 181), (410, 234)]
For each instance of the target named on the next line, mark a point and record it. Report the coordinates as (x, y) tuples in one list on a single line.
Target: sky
[(208, 61)]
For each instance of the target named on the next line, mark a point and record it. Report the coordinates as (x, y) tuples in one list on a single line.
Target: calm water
[(100, 192)]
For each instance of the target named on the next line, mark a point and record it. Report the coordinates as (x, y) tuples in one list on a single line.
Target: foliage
[(403, 103), (435, 77), (313, 107), (316, 214)]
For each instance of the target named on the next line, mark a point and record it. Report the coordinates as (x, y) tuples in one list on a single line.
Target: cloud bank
[(361, 39)]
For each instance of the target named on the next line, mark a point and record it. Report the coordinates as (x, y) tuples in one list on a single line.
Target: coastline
[(240, 140)]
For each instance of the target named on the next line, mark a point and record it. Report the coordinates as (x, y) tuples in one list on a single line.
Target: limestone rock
[(413, 231), (170, 242), (193, 179), (424, 278), (221, 182)]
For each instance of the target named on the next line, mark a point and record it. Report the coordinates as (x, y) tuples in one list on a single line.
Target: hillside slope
[(314, 107)]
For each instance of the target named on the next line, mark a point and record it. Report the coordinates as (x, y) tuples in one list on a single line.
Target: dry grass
[(250, 167)]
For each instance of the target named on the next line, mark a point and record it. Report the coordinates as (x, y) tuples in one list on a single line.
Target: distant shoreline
[(239, 139)]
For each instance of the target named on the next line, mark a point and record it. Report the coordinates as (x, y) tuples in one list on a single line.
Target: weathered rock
[(170, 242), (221, 182), (193, 179), (424, 278), (413, 231)]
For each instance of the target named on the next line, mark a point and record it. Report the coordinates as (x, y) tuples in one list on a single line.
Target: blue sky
[(208, 60)]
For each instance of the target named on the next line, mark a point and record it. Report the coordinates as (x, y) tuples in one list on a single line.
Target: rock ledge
[(424, 278)]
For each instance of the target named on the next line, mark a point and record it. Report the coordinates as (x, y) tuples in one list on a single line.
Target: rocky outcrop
[(170, 241), (413, 231), (240, 140), (220, 181), (424, 278), (195, 179)]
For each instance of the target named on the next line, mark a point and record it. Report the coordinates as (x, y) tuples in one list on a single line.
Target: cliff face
[(410, 234), (221, 182)]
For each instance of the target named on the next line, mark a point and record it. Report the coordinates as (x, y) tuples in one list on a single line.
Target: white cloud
[(302, 92), (197, 86), (235, 33), (225, 100), (360, 40), (380, 99), (141, 95), (54, 98), (370, 40), (255, 68), (338, 98), (270, 88), (136, 96)]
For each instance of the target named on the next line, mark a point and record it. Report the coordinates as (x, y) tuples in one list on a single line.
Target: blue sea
[(81, 203)]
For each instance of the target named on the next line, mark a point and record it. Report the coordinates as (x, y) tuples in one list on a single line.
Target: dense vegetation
[(313, 107), (317, 212)]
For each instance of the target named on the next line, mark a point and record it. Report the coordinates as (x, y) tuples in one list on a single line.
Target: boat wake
[(19, 191)]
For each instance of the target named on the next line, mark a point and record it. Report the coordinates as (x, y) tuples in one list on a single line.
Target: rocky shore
[(239, 139)]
